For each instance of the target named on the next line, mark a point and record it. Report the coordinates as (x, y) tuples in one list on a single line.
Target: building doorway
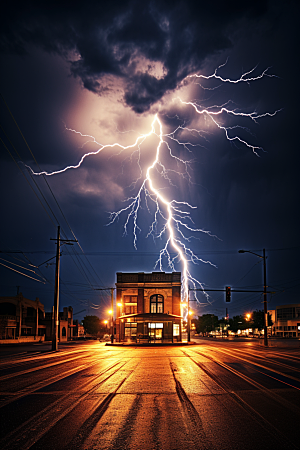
[(155, 331)]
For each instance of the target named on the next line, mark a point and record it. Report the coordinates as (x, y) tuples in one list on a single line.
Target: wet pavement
[(208, 395)]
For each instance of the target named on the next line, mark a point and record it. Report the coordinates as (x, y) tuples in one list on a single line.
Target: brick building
[(65, 326), (148, 307), (21, 319)]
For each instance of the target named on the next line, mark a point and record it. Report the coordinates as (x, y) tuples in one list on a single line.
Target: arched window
[(156, 304), (63, 331)]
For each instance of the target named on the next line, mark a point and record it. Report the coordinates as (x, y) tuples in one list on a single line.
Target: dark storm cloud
[(110, 39)]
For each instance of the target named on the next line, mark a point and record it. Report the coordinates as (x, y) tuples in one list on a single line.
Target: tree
[(206, 323), (258, 318), (238, 323), (91, 324)]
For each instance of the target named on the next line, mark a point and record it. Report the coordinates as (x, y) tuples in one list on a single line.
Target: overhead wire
[(24, 274), (83, 270), (27, 181), (29, 173), (21, 267)]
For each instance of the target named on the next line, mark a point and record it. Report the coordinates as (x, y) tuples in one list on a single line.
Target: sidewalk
[(148, 344), (272, 342), (282, 343)]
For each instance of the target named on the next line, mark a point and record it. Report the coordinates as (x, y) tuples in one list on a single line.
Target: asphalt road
[(212, 395)]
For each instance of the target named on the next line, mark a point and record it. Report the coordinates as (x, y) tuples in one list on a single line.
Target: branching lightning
[(171, 219), (244, 78)]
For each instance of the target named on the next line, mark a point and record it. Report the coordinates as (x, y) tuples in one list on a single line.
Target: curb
[(174, 344)]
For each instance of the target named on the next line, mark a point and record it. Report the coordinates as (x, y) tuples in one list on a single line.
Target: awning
[(156, 317)]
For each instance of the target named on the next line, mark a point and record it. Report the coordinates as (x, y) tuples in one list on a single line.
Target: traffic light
[(228, 294)]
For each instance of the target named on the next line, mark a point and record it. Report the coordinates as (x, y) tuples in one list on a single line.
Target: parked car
[(105, 338)]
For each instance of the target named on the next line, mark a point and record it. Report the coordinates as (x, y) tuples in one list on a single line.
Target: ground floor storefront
[(151, 328)]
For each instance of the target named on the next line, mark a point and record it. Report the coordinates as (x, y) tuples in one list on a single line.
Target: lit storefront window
[(130, 330), (175, 329), (155, 330)]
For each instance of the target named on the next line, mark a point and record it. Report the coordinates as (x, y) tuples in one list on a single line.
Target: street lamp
[(265, 294), (187, 305), (190, 313), (111, 323), (119, 304)]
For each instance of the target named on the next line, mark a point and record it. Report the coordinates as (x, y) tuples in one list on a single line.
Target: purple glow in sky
[(106, 71)]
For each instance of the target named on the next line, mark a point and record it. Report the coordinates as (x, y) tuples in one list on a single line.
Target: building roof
[(19, 298), (151, 316), (148, 278)]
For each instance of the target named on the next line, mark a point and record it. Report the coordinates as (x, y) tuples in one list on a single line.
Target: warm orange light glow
[(110, 312), (105, 321), (191, 313), (120, 305)]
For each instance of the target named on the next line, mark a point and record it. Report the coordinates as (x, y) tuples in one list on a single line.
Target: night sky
[(105, 69)]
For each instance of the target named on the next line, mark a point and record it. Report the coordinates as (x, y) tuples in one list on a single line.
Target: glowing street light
[(265, 293), (111, 313), (119, 305), (188, 318)]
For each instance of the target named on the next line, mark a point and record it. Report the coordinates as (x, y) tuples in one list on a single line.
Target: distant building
[(78, 329), (65, 326), (148, 307), (21, 319), (287, 321), (24, 320)]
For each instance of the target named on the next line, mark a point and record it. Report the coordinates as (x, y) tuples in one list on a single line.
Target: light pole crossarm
[(248, 251), (265, 293)]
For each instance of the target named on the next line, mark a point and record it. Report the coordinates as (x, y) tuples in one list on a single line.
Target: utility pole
[(56, 294), (265, 302), (56, 288), (111, 312), (227, 320), (265, 293), (189, 321), (112, 315)]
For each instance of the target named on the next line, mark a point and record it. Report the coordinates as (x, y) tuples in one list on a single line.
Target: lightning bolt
[(244, 78), (222, 110), (170, 211), (172, 218)]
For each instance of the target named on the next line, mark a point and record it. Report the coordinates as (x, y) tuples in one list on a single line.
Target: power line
[(83, 269), (21, 273)]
